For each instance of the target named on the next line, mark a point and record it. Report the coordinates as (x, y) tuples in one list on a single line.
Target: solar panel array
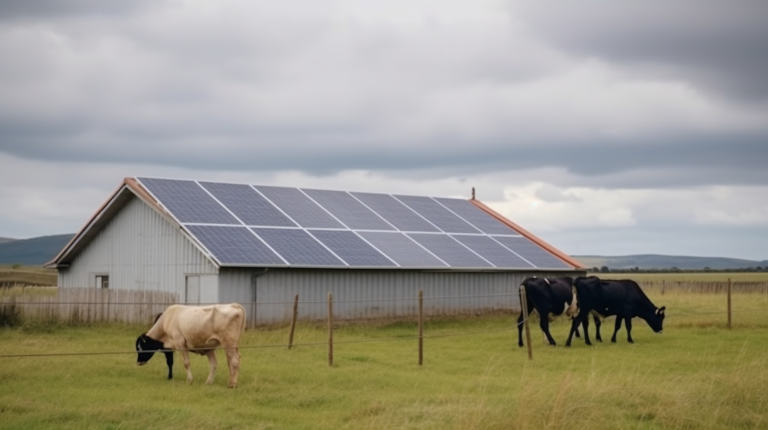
[(266, 226)]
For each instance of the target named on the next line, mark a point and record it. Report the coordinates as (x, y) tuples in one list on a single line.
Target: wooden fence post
[(293, 320), (524, 306), (729, 303), (330, 329), (421, 327)]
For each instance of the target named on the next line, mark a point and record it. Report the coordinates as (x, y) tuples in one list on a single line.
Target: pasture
[(696, 375)]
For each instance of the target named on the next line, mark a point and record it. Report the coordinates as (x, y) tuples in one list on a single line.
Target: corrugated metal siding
[(139, 250), (360, 294)]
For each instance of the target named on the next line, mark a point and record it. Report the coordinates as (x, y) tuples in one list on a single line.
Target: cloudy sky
[(606, 128)]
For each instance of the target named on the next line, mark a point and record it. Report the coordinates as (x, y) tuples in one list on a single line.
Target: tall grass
[(694, 376)]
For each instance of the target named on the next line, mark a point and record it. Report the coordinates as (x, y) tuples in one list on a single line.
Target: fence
[(132, 306), (89, 305), (701, 287)]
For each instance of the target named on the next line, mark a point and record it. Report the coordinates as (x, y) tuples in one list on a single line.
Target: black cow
[(623, 298), (549, 296)]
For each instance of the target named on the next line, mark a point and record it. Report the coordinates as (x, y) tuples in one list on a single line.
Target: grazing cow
[(199, 329), (623, 298), (550, 297)]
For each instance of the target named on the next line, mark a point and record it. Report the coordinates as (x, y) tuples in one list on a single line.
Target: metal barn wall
[(361, 294), (139, 249)]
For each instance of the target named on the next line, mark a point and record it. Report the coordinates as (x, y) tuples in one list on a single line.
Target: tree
[(605, 269)]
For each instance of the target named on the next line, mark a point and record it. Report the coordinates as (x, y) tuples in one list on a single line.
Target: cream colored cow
[(198, 329)]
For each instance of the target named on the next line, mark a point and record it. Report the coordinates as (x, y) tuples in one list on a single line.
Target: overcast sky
[(607, 128)]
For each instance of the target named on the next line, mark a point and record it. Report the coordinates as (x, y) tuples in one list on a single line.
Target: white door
[(193, 290)]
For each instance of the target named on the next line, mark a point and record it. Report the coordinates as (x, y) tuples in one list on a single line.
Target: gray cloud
[(717, 46), (42, 9)]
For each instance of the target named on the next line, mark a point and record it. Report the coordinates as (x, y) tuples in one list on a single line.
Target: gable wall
[(141, 250)]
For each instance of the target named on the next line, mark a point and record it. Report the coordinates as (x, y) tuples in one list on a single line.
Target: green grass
[(697, 375)]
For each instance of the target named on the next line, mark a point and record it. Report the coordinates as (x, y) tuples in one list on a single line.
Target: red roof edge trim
[(537, 240)]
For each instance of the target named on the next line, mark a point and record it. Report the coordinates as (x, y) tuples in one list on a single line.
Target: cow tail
[(242, 325), (573, 308)]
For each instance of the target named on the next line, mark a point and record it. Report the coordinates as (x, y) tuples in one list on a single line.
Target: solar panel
[(475, 216), (298, 247), (299, 207), (234, 245), (269, 226), (351, 248), (437, 214), (401, 249), (188, 202), (248, 205), (395, 212), (537, 255), (492, 251), (348, 210), (450, 251)]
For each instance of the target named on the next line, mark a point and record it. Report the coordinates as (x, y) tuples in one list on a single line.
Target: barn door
[(193, 290)]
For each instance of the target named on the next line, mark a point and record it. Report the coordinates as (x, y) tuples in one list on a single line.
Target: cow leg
[(169, 362), (616, 328), (211, 353), (575, 327), (233, 360), (598, 323), (520, 330), (185, 356), (544, 324), (585, 324), (629, 330)]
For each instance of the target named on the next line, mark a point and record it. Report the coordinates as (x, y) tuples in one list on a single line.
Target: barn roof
[(243, 225)]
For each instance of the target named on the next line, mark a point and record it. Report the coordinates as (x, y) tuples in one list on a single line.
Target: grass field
[(696, 375), (690, 276), (27, 275)]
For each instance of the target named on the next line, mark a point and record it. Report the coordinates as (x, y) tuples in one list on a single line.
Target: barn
[(212, 242)]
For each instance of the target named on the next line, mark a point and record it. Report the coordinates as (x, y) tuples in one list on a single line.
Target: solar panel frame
[(347, 209), (476, 216), (403, 250), (437, 214), (531, 252), (303, 210), (352, 249), (188, 202), (491, 250), (298, 247), (395, 212), (235, 245), (449, 250), (248, 205)]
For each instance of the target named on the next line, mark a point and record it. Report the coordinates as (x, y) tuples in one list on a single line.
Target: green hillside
[(32, 252), (653, 261)]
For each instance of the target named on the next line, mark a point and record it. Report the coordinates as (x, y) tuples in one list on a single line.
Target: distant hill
[(652, 261), (6, 239), (32, 252)]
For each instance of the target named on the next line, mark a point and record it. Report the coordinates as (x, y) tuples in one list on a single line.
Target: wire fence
[(96, 305)]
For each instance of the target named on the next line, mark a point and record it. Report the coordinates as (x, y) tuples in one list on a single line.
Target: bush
[(10, 315)]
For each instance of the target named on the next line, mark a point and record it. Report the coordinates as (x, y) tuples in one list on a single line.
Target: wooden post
[(293, 320), (729, 303), (421, 327), (524, 305), (330, 329)]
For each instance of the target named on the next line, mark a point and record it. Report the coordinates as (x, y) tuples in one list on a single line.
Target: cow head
[(657, 320), (146, 347)]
